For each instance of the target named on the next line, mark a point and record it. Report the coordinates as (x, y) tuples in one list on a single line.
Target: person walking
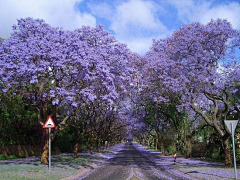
[(175, 157)]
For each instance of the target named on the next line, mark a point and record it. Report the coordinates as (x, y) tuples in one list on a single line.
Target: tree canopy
[(87, 79)]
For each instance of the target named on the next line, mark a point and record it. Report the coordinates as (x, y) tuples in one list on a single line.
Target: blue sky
[(133, 22)]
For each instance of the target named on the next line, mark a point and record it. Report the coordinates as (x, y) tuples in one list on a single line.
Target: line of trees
[(98, 90), (191, 81), (78, 77)]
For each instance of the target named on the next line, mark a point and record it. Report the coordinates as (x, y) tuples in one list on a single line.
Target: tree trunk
[(44, 157), (76, 149), (162, 148), (156, 144), (140, 140), (77, 134), (80, 144), (227, 151), (107, 144), (103, 145), (188, 144), (92, 143), (99, 146)]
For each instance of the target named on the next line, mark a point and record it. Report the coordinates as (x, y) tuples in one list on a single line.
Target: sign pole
[(49, 124), (49, 157), (231, 126), (234, 154)]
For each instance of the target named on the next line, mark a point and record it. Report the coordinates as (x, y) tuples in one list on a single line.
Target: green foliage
[(65, 141), (238, 155), (214, 148), (216, 155), (171, 149), (12, 156), (150, 139), (2, 157), (18, 121)]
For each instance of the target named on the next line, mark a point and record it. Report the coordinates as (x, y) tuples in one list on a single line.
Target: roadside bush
[(64, 141), (238, 155), (12, 156), (19, 124), (171, 150), (216, 154), (199, 149)]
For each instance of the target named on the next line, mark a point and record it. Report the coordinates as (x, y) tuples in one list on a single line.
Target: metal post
[(234, 154), (49, 157)]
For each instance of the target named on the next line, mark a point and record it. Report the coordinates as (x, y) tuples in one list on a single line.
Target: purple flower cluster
[(196, 67), (65, 69)]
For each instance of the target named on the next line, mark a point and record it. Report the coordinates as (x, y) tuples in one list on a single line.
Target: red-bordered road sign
[(49, 123)]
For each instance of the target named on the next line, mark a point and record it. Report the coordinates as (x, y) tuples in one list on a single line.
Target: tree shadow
[(209, 174)]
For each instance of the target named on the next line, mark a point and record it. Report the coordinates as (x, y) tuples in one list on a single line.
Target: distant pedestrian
[(175, 157)]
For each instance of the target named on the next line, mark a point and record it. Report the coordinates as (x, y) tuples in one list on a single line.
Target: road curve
[(130, 164)]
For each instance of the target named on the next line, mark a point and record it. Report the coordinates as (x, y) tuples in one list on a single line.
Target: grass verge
[(30, 168)]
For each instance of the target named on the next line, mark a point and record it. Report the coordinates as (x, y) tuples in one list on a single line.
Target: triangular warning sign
[(49, 123), (231, 125)]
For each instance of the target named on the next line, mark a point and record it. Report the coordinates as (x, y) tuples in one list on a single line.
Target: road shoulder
[(191, 167)]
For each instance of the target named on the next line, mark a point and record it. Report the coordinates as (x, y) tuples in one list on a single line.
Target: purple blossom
[(34, 80), (55, 102), (5, 90), (52, 93), (74, 104), (234, 91)]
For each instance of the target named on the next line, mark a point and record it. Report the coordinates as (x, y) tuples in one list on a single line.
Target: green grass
[(25, 171), (61, 167)]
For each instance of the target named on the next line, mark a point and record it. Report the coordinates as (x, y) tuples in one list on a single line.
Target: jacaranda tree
[(188, 64), (59, 70)]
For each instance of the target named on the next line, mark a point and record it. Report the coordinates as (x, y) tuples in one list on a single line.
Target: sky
[(133, 22)]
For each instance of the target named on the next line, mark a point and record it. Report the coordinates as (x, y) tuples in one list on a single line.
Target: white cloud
[(139, 45), (204, 11), (135, 17), (135, 23), (230, 12), (56, 13)]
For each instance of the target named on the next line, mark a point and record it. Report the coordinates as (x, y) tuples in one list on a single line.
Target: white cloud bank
[(135, 16), (204, 11), (137, 22), (134, 22), (57, 13)]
